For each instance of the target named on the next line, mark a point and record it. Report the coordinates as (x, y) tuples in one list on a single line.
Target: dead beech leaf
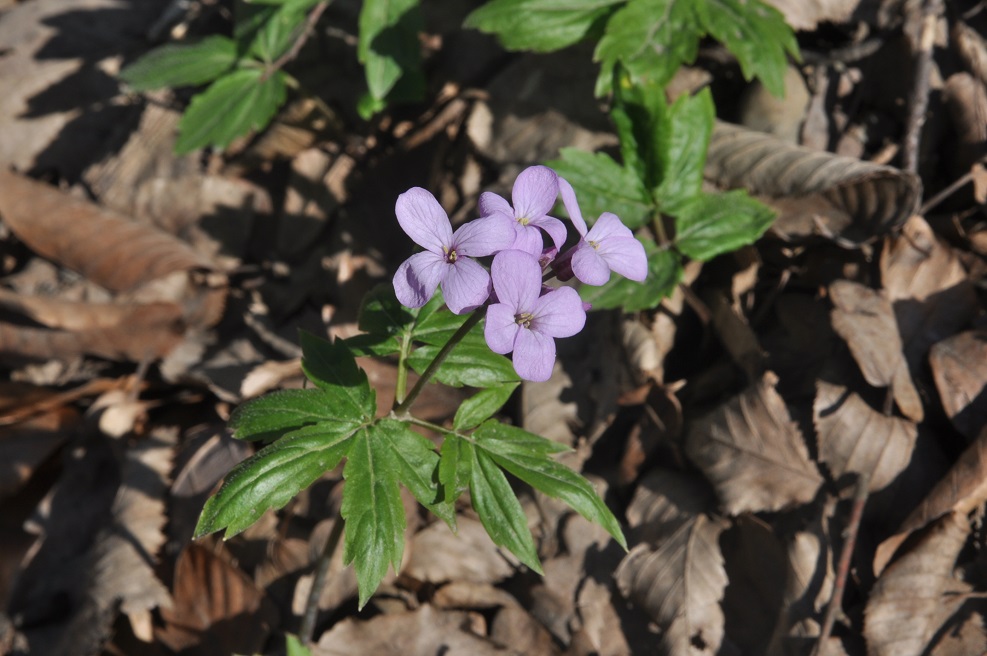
[(216, 609), (961, 490), (439, 556), (863, 317), (959, 367), (904, 609), (753, 453), (666, 499), (26, 444), (680, 585), (807, 14), (853, 437), (814, 192)]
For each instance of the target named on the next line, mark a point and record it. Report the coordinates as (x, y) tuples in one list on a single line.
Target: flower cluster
[(523, 315)]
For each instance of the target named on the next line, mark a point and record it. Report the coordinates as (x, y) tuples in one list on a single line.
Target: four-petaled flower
[(445, 260), (534, 194), (608, 246), (526, 321)]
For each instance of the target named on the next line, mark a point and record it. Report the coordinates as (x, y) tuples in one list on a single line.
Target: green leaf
[(602, 185), (232, 106), (294, 647), (471, 362), (389, 49), (651, 39), (278, 33), (683, 139), (528, 456), (417, 465), (374, 514), (381, 312), (435, 326), (719, 223), (481, 406), (756, 34), (664, 273), (498, 508), (285, 410), (539, 25), (640, 114), (179, 65), (454, 467), (274, 475), (332, 368)]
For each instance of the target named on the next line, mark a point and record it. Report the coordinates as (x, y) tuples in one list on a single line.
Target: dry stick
[(919, 97), (860, 492), (296, 47), (319, 580), (948, 191)]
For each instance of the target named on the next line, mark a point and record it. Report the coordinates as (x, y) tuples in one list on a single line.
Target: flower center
[(595, 245), (523, 220), (450, 255), (524, 319)]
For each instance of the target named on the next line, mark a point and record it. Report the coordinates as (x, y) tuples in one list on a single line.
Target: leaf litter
[(144, 295)]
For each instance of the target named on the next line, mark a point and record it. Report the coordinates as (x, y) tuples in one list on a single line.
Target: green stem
[(401, 385), (401, 409)]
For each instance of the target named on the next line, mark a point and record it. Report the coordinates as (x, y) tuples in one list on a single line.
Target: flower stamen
[(524, 319)]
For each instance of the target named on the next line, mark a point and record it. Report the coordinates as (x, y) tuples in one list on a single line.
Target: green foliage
[(712, 224), (180, 65), (664, 273), (294, 647), (539, 25), (482, 405), (389, 50)]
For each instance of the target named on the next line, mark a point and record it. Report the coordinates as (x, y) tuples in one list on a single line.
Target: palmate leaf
[(482, 405), (471, 362), (712, 224), (274, 475), (179, 65), (277, 34), (389, 50), (683, 138), (234, 105), (603, 185), (330, 365), (539, 25), (454, 467), (274, 414), (528, 456), (417, 465), (664, 273)]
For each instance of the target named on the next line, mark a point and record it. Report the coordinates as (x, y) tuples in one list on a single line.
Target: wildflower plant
[(450, 320)]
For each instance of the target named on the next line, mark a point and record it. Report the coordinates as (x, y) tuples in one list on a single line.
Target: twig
[(310, 21), (947, 192), (860, 493), (319, 580), (918, 101)]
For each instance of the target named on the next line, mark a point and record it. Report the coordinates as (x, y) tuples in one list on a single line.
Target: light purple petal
[(423, 219), (528, 239), (517, 279), (555, 229), (500, 328), (534, 355), (490, 203), (418, 277), (626, 256), (486, 236), (559, 313), (535, 191), (588, 266), (572, 206), (466, 286), (608, 226)]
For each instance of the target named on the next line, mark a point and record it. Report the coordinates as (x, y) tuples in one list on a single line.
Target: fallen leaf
[(864, 318), (438, 556), (853, 437), (959, 367), (516, 629), (807, 14), (665, 500), (26, 444), (904, 608), (753, 453)]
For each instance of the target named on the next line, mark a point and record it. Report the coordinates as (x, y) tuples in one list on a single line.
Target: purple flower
[(608, 246), (524, 321), (534, 194), (465, 284)]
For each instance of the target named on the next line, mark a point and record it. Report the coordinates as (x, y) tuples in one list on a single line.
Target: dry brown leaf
[(26, 444), (753, 453), (439, 556), (807, 14), (666, 499), (962, 489), (814, 192), (972, 48), (853, 437), (680, 585), (966, 100), (864, 318), (516, 629), (904, 610), (423, 632), (217, 609), (959, 367)]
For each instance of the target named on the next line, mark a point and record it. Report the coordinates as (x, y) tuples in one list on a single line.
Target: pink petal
[(490, 203), (501, 328), (418, 277), (423, 219), (606, 227), (516, 279), (535, 191), (588, 266), (528, 239), (466, 286), (626, 256), (555, 229), (559, 313), (572, 206), (534, 355), (486, 236)]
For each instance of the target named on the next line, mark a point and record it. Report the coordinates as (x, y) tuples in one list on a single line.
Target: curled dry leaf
[(853, 437), (904, 610), (814, 192), (959, 367), (972, 48), (753, 453), (863, 317), (963, 489)]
